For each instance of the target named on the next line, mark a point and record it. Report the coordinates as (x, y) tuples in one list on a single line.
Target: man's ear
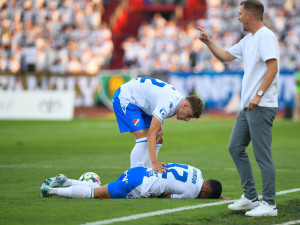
[(203, 189), (250, 15), (186, 104)]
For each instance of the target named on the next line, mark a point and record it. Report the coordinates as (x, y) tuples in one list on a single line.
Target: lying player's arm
[(223, 197), (165, 196)]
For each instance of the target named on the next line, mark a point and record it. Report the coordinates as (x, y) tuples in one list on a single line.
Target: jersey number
[(153, 81), (182, 178)]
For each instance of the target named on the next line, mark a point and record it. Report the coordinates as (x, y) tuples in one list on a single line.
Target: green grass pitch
[(31, 151)]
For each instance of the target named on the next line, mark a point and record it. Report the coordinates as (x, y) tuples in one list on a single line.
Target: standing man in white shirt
[(259, 52), (140, 106)]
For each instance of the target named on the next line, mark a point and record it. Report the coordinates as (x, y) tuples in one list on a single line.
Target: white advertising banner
[(37, 105)]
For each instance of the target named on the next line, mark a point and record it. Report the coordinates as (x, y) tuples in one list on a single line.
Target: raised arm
[(218, 52)]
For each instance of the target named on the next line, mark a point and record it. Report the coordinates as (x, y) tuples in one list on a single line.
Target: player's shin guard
[(138, 153), (158, 146), (74, 192), (71, 182), (147, 160)]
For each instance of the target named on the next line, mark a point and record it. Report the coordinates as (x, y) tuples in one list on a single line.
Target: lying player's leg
[(62, 181), (75, 191)]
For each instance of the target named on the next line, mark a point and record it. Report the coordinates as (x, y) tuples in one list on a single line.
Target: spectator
[(48, 31), (163, 44)]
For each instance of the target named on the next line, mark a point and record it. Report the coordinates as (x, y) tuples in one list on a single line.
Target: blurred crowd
[(49, 41), (164, 45), (56, 36)]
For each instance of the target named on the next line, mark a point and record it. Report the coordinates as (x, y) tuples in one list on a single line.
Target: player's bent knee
[(139, 134)]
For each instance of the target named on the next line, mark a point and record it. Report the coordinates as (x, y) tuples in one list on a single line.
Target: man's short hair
[(254, 6), (196, 105), (216, 188)]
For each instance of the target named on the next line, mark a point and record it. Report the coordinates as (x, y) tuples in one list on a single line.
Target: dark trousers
[(255, 126)]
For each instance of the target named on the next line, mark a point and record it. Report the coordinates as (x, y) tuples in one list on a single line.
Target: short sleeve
[(161, 111), (236, 50), (268, 47)]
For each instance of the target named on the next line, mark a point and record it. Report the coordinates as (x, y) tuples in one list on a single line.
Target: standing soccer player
[(140, 106), (259, 102)]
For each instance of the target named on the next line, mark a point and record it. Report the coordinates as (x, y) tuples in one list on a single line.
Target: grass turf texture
[(31, 151)]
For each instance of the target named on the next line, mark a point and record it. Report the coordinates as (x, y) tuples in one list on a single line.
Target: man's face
[(244, 17), (185, 112)]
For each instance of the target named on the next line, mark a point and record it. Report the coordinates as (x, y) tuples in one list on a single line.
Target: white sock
[(138, 152), (147, 160), (73, 192), (71, 182), (158, 146)]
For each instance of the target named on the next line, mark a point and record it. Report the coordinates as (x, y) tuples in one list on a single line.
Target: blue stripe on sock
[(141, 141), (92, 190)]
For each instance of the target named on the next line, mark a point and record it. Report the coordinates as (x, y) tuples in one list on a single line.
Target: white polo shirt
[(254, 51)]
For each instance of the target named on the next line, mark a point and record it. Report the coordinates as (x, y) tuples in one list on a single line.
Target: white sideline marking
[(165, 211), (290, 222)]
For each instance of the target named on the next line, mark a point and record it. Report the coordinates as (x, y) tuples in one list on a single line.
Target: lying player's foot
[(57, 181), (45, 189)]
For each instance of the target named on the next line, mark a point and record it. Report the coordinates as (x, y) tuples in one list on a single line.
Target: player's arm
[(159, 136), (267, 81), (155, 126), (165, 196), (218, 52), (223, 197)]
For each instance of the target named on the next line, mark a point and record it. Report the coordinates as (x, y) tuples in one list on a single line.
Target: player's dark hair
[(216, 188), (196, 105), (254, 6)]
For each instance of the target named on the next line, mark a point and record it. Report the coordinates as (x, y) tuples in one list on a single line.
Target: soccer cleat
[(264, 209), (244, 203), (45, 189), (57, 181)]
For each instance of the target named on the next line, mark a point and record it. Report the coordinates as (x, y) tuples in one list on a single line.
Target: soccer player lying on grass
[(179, 181)]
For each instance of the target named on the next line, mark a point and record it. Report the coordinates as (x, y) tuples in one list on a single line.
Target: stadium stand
[(172, 45), (63, 44), (57, 37)]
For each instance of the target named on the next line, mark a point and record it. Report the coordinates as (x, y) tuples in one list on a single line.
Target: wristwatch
[(260, 93)]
